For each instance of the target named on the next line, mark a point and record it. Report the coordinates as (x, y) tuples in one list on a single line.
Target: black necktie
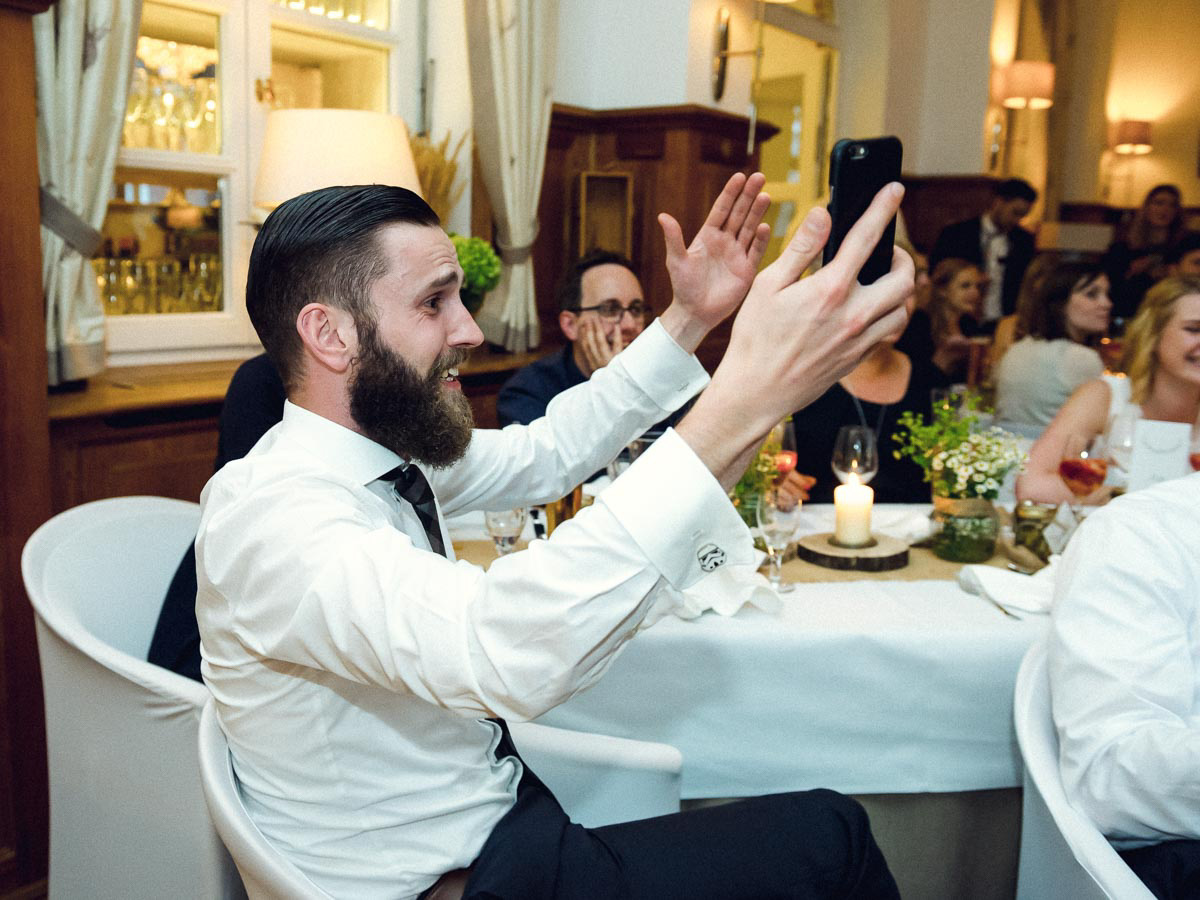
[(410, 485)]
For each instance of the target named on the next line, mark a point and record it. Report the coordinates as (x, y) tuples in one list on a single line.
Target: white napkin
[(727, 590), (1018, 595), (910, 527)]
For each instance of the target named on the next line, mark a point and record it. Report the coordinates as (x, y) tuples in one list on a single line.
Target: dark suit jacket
[(253, 403), (961, 241)]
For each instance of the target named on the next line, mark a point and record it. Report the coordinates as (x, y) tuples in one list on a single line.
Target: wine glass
[(505, 526), (1194, 448), (777, 524), (1119, 441), (855, 456), (1083, 467)]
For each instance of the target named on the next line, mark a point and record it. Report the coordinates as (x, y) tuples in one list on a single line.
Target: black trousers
[(813, 844), (1170, 870)]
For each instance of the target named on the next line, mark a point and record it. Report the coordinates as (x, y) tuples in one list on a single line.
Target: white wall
[(937, 82), (450, 97), (622, 53)]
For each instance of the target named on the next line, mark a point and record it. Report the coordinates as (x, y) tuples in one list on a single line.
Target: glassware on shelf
[(173, 101), (169, 285), (134, 285)]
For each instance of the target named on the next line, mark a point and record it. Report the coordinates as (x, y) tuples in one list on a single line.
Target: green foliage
[(757, 478), (480, 265), (958, 459)]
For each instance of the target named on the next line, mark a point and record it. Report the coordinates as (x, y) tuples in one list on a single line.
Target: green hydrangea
[(481, 268)]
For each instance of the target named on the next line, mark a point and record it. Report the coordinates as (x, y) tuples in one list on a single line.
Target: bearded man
[(360, 673)]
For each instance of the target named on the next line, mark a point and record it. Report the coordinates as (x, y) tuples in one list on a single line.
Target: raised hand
[(711, 276), (793, 338)]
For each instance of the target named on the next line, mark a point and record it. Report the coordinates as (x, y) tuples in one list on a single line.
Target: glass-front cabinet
[(172, 267)]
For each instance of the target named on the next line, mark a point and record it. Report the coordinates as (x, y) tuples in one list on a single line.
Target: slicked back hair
[(321, 247)]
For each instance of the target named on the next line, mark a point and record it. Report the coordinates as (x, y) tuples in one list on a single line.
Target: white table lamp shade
[(307, 149)]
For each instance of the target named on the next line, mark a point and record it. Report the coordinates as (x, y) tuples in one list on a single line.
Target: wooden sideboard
[(153, 429)]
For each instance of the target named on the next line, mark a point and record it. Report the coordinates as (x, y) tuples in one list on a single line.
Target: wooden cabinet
[(153, 429), (206, 76), (676, 159)]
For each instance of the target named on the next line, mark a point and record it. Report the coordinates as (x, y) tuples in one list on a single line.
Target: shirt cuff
[(677, 513), (668, 374)]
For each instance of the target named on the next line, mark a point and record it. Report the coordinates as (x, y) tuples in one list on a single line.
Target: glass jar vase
[(968, 529)]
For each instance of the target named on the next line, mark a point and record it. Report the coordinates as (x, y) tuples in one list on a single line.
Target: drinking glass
[(855, 455), (1119, 437), (1083, 467), (505, 527), (777, 524)]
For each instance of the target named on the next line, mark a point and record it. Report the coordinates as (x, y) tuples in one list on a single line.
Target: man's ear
[(569, 323), (329, 335)]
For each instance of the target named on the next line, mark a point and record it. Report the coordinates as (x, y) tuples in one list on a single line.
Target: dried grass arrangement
[(437, 169)]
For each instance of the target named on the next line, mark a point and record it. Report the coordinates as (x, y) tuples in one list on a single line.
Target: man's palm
[(712, 275)]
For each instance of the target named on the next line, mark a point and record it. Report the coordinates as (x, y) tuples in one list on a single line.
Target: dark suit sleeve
[(253, 404), (958, 241), (524, 397)]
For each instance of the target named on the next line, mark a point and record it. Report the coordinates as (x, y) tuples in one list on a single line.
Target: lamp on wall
[(306, 149), (1026, 84), (1132, 138), (722, 53)]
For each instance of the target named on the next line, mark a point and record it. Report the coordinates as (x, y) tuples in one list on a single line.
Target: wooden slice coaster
[(885, 554)]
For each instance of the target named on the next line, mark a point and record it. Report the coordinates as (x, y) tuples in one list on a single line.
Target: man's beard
[(410, 414)]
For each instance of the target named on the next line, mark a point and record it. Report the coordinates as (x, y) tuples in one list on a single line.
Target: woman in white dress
[(1162, 381)]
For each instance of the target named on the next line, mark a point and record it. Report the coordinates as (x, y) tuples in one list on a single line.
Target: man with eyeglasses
[(601, 309)]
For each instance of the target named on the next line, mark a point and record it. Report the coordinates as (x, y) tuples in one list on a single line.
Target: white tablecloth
[(867, 687)]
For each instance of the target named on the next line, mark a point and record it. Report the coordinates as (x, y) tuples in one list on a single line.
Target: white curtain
[(84, 52), (511, 49)]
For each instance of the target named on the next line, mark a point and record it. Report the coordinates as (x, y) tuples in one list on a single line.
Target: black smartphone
[(857, 170)]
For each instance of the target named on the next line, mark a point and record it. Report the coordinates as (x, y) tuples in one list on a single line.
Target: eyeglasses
[(612, 310)]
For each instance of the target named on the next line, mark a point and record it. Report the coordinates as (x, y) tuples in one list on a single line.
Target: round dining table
[(895, 687)]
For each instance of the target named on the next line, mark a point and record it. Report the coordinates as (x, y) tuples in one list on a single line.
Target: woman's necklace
[(862, 417)]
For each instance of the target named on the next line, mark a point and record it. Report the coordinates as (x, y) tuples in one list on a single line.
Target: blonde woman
[(941, 333), (1162, 366)]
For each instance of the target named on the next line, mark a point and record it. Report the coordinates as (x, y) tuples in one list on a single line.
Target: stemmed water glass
[(855, 455), (777, 523), (505, 527)]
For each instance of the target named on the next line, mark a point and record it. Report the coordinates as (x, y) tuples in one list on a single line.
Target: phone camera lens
[(858, 151)]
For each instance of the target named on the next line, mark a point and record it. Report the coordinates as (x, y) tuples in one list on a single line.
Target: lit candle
[(852, 509)]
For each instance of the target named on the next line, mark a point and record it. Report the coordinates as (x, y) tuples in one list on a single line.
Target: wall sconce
[(1132, 138), (306, 149), (721, 51), (1026, 84)]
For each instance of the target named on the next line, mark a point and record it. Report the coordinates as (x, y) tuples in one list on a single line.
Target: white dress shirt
[(993, 243), (352, 667), (1125, 665)]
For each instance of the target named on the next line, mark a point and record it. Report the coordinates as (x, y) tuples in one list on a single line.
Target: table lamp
[(306, 149)]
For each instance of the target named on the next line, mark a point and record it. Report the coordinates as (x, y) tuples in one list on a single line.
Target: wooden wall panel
[(24, 456), (680, 157)]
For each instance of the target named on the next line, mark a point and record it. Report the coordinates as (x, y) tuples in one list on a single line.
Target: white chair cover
[(127, 816), (265, 871), (1063, 855)]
